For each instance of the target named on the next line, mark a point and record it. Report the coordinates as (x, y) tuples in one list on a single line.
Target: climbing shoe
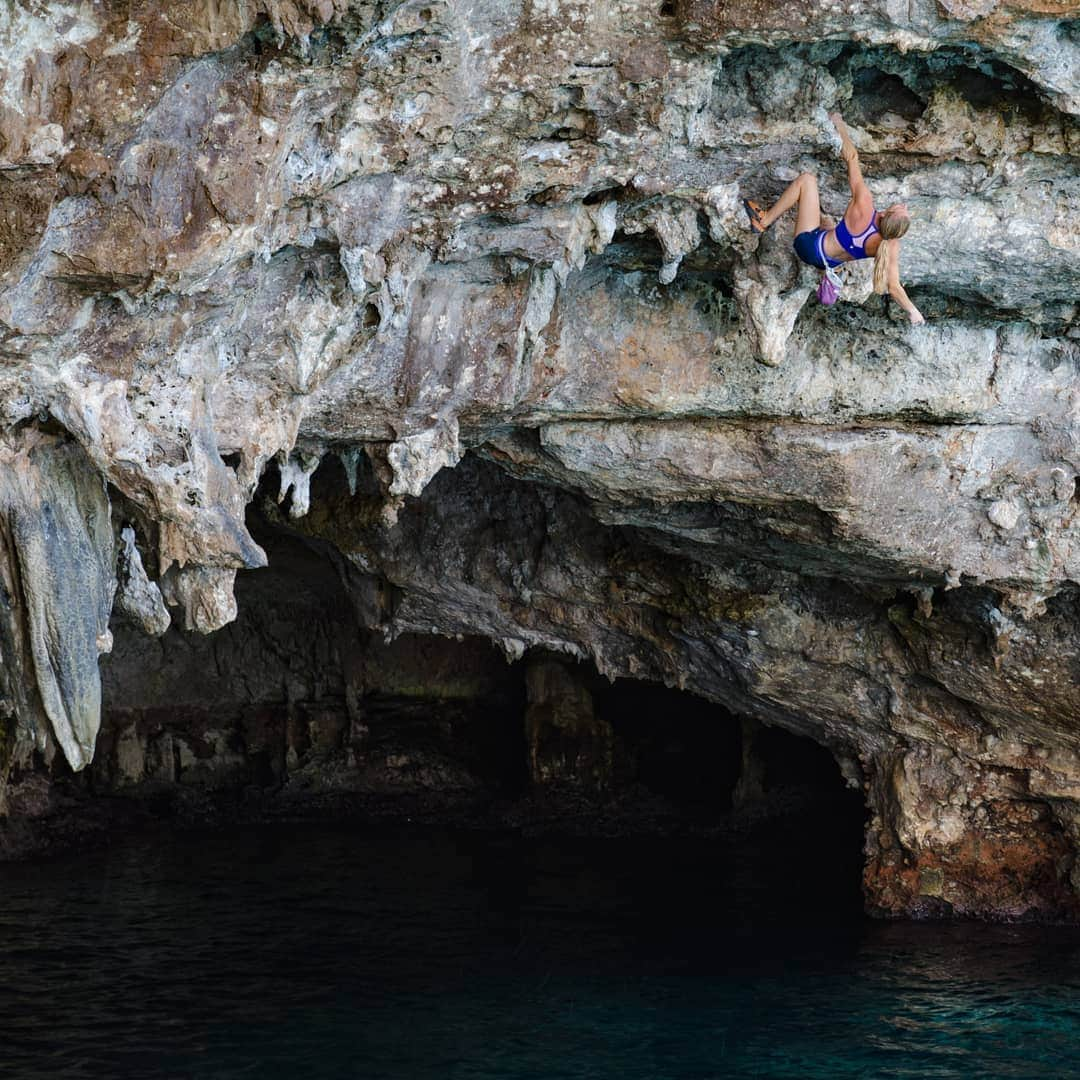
[(754, 213)]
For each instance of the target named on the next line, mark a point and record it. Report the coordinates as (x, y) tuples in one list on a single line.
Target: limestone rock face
[(487, 263)]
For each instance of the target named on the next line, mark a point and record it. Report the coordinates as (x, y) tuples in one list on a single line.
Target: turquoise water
[(417, 953)]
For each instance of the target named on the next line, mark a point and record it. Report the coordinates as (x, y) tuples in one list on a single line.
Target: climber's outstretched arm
[(896, 290), (859, 191)]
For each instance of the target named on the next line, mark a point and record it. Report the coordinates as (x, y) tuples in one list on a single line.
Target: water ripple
[(425, 954)]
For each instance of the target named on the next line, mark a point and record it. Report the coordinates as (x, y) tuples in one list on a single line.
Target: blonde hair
[(891, 227)]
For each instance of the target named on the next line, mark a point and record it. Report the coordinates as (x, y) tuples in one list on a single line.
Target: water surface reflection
[(396, 952)]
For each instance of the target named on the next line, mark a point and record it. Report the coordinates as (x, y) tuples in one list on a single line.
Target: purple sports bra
[(855, 246)]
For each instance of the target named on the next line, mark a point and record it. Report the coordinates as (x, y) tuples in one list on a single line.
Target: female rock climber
[(863, 232)]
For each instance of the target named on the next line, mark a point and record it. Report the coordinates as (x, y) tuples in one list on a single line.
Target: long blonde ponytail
[(891, 227)]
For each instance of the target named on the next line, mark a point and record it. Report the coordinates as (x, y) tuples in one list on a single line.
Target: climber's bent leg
[(804, 191)]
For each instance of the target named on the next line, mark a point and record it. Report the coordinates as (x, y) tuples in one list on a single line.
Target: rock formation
[(483, 265)]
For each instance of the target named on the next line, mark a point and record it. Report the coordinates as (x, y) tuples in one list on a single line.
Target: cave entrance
[(296, 705)]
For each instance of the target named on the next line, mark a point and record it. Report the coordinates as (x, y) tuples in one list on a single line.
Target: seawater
[(313, 951)]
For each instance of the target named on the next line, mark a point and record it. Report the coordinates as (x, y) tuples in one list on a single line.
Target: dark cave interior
[(296, 708)]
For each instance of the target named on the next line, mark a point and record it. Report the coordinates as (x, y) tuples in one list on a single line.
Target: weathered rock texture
[(487, 261)]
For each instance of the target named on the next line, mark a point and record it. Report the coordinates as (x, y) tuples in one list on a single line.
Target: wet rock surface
[(472, 285)]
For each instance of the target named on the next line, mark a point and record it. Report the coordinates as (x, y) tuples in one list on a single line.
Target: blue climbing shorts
[(808, 247)]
